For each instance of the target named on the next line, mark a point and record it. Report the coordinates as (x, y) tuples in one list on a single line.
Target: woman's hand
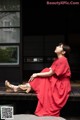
[(33, 76)]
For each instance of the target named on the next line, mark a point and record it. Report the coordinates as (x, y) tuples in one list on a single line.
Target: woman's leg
[(25, 87), (11, 86)]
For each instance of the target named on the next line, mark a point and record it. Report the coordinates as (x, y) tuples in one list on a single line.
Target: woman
[(52, 85)]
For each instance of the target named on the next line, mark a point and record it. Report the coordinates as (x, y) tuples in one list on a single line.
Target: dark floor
[(72, 118)]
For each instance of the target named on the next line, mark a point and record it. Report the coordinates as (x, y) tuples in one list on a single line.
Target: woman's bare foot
[(25, 87), (10, 86), (28, 90), (22, 87)]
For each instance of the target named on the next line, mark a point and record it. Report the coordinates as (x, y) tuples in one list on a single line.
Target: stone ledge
[(33, 117)]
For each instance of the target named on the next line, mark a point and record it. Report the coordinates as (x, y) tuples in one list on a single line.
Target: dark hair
[(66, 48)]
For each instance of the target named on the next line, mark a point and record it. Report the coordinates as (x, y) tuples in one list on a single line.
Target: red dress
[(53, 92)]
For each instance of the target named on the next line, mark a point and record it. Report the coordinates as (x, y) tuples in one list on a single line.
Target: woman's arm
[(45, 74), (42, 74)]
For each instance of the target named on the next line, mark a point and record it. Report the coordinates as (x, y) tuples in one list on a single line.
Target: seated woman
[(52, 85)]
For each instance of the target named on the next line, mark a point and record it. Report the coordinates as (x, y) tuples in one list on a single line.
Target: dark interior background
[(44, 26)]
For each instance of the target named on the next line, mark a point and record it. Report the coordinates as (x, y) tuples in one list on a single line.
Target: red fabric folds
[(53, 92)]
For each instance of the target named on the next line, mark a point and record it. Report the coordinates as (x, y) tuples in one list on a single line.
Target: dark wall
[(38, 52), (42, 47), (45, 20), (42, 19), (13, 74), (74, 58)]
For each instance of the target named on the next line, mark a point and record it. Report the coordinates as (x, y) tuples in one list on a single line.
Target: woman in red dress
[(52, 85)]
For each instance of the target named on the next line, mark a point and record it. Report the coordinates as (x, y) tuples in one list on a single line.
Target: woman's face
[(59, 49)]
